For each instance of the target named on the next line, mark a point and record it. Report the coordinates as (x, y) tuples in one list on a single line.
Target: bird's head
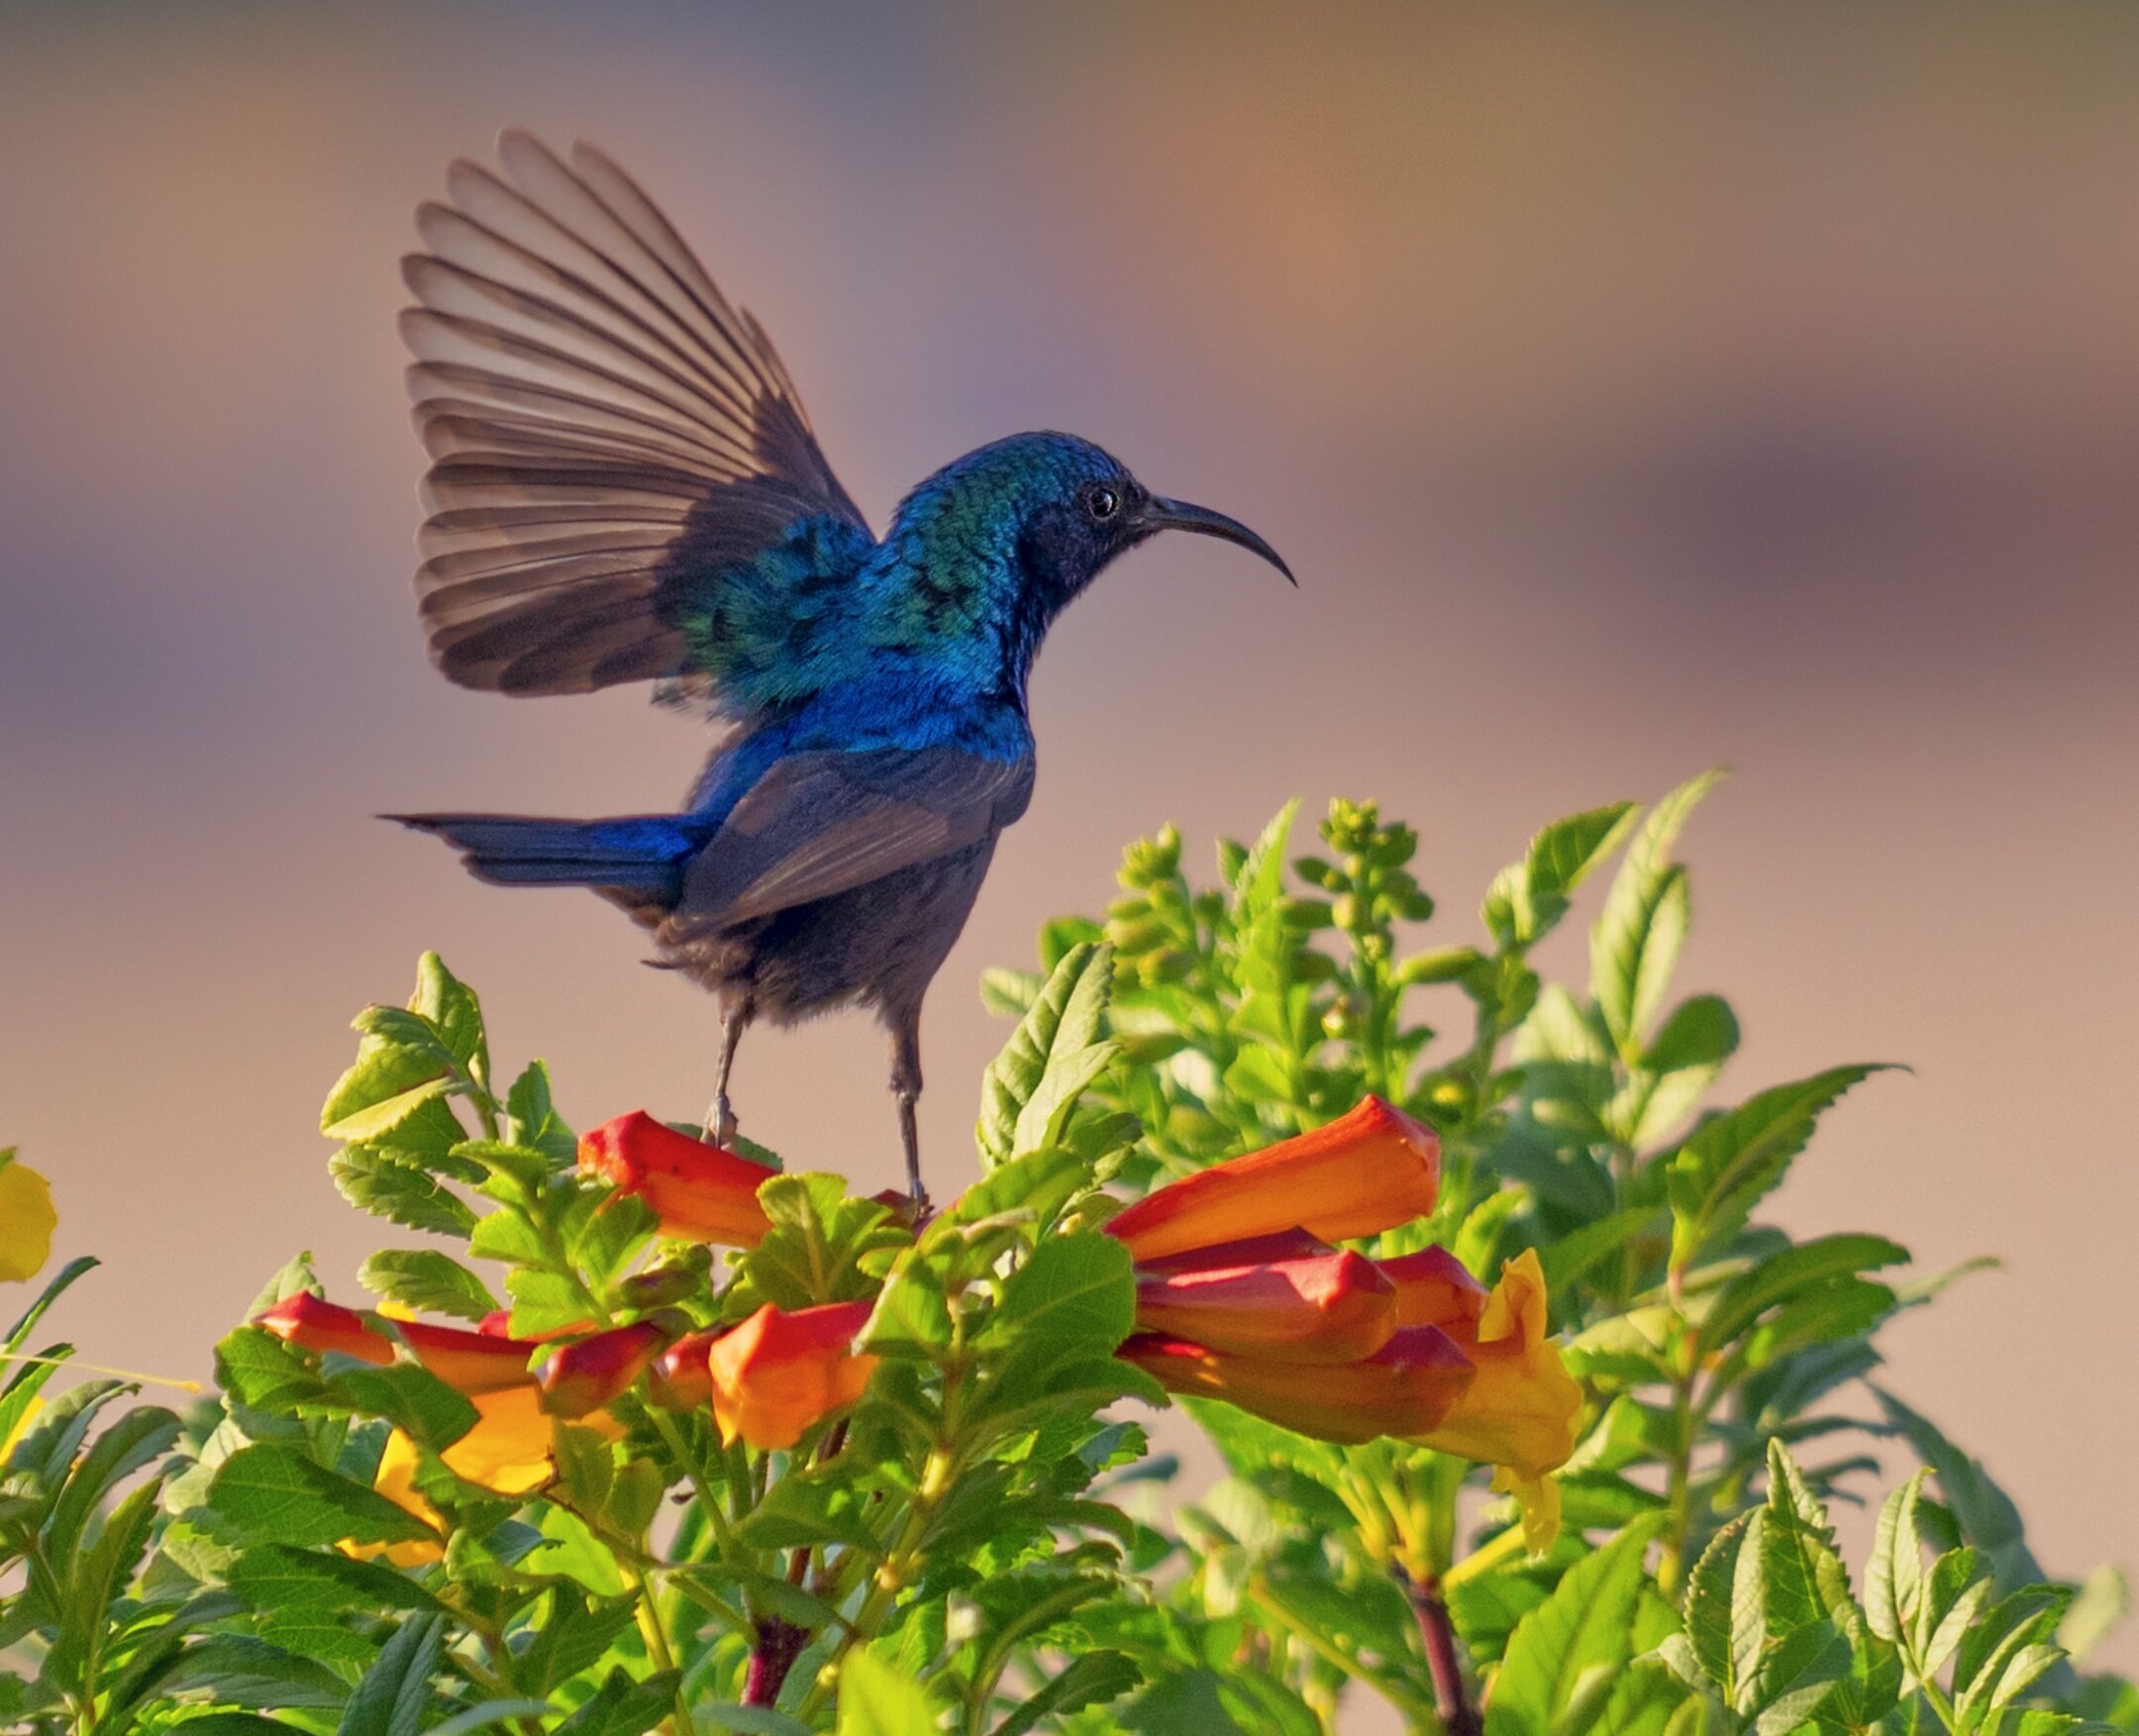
[(1055, 510)]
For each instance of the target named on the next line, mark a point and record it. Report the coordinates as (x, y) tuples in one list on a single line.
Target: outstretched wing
[(820, 824), (607, 433)]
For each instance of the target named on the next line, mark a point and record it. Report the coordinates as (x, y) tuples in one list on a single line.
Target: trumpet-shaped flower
[(699, 1192), (510, 1451), (1288, 1296), (1519, 1413), (27, 1219), (1368, 1171), (1406, 1387), (583, 1377), (469, 1361), (1433, 1288), (777, 1374)]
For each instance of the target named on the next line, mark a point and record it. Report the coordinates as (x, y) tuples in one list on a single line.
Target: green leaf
[(1896, 1578), (1731, 1161), (1090, 1680), (450, 1007), (428, 1282), (1634, 943), (276, 1495), (1526, 901), (240, 1670), (377, 1113), (624, 1707), (1073, 1294), (1787, 1276), (813, 1252), (379, 1181), (395, 1694), (1985, 1512), (1585, 1624), (878, 1700), (1703, 1032), (1046, 1056)]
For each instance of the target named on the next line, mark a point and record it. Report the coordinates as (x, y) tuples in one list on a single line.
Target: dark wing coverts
[(820, 824), (604, 428)]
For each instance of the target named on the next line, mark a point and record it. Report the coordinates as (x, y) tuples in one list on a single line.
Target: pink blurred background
[(1632, 390)]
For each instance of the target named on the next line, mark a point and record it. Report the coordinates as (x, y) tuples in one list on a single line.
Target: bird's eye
[(1101, 502)]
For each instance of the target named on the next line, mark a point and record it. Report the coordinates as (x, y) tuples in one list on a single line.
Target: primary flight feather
[(625, 488)]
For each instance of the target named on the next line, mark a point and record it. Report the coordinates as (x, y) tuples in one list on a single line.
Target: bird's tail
[(642, 855)]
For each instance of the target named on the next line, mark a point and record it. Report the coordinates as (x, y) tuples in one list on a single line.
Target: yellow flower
[(27, 1219), (511, 1451), (1519, 1411)]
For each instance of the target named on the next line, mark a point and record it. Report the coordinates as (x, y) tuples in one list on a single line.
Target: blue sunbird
[(624, 486)]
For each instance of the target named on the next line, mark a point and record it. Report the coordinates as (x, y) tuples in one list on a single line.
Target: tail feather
[(643, 854)]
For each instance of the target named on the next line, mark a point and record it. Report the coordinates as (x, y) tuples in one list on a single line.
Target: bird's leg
[(906, 1088), (720, 1121)]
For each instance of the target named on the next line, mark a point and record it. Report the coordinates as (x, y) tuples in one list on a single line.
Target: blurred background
[(1632, 390)]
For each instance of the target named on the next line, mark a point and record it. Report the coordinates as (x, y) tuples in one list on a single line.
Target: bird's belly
[(878, 944)]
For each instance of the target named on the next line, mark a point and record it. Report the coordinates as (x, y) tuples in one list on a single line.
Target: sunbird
[(624, 486)]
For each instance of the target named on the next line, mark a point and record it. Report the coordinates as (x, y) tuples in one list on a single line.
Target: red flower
[(585, 1375), (1287, 1295), (699, 1192), (1406, 1387)]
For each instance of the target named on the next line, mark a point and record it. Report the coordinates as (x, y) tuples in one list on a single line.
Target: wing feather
[(824, 823), (607, 433)]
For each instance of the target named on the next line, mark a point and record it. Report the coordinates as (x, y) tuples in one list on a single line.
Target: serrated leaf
[(1634, 943), (375, 1179), (395, 1693), (1731, 1161), (1796, 1270), (274, 1493), (1527, 900), (1063, 1024), (1585, 1624), (428, 1282), (1894, 1581)]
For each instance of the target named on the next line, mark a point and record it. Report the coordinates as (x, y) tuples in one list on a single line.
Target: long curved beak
[(1161, 514)]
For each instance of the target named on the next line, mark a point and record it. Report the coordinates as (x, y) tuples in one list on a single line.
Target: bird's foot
[(719, 1123)]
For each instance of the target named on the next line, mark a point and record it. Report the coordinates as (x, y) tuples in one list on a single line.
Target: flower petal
[(27, 1219), (1406, 1387), (313, 1323), (777, 1374), (699, 1192), (1433, 1288), (587, 1376), (1285, 1295), (1368, 1171), (1521, 1411)]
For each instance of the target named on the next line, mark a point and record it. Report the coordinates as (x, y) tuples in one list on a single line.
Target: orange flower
[(1519, 1413), (776, 1374), (1433, 1288), (467, 1361), (587, 1376), (699, 1192), (511, 1451), (1405, 1387), (1287, 1295), (313, 1323), (1369, 1170), (679, 1379)]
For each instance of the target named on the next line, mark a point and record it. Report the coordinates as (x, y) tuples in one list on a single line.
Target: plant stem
[(1459, 1717)]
